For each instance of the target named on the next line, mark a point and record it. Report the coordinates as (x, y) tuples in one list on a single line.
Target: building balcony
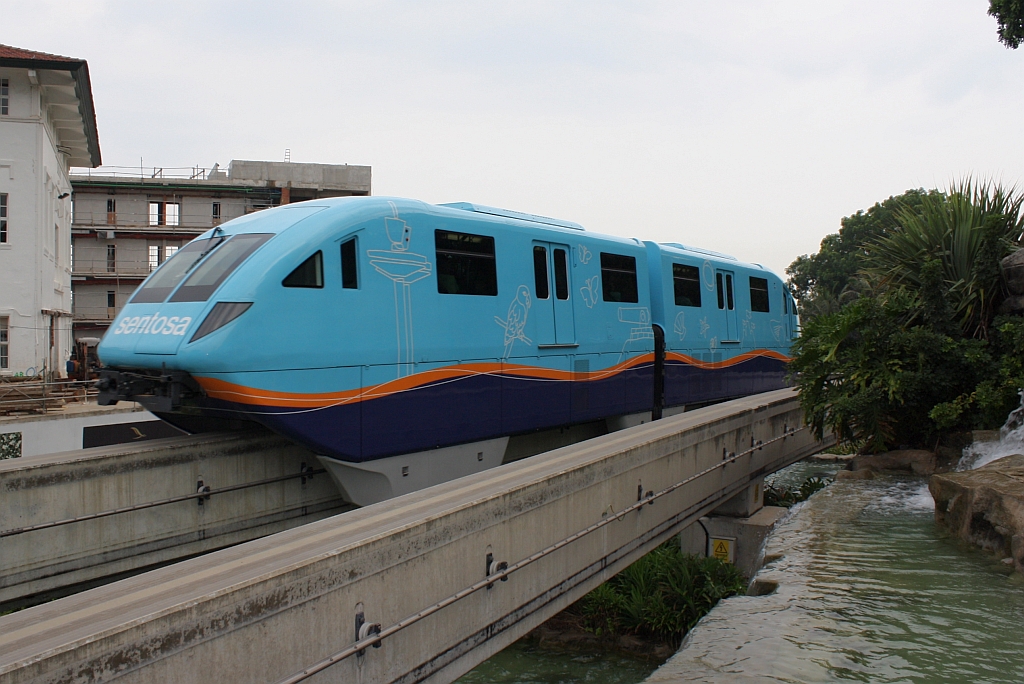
[(102, 221), (95, 315), (112, 270)]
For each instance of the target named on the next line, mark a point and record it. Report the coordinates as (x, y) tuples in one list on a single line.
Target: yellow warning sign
[(722, 549)]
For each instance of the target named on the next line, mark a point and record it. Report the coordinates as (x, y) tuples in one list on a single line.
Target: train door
[(552, 286), (725, 286)]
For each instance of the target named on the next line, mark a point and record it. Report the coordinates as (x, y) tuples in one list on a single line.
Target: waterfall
[(1011, 441)]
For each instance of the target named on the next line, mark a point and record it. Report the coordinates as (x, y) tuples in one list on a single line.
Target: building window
[(4, 336), (216, 213), (164, 213), (154, 257), (111, 258), (169, 251), (759, 294), (111, 299), (3, 217), (466, 264), (56, 243), (111, 212), (618, 278), (349, 277), (5, 88)]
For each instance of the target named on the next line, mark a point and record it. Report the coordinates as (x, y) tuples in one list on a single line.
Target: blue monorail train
[(405, 343)]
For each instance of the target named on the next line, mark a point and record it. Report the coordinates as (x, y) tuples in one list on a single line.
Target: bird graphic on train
[(515, 322)]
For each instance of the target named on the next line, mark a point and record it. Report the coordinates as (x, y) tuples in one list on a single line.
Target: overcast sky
[(750, 128)]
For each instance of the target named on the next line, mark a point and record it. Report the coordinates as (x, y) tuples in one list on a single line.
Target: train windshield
[(208, 275), (174, 269)]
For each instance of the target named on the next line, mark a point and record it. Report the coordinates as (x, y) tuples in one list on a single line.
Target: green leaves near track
[(661, 596)]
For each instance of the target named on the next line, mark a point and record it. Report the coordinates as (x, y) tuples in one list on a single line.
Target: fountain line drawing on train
[(403, 268)]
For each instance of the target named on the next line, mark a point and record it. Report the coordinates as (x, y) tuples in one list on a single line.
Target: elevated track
[(439, 579)]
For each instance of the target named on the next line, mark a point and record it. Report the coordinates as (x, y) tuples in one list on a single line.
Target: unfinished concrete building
[(128, 221)]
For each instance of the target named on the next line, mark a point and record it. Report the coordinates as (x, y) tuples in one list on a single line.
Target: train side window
[(618, 278), (465, 264), (686, 281), (310, 273), (785, 303), (561, 274), (540, 272), (349, 278), (721, 290), (759, 294), (728, 291)]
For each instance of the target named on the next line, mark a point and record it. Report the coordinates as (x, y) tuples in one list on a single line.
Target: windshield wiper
[(203, 254)]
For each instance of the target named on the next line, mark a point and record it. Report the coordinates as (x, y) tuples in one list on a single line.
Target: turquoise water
[(870, 590), (526, 663)]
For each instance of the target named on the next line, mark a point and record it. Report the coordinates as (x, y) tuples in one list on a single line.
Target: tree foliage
[(949, 249), (823, 282), (922, 354), (1010, 16)]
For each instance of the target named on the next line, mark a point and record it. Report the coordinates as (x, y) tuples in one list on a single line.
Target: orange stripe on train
[(227, 391)]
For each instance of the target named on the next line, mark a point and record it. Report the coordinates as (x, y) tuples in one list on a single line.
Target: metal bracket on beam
[(365, 630), (641, 495), (202, 489), (494, 567)]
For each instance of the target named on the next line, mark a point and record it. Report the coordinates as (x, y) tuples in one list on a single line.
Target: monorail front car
[(369, 328)]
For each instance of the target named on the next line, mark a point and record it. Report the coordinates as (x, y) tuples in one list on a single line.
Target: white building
[(47, 125)]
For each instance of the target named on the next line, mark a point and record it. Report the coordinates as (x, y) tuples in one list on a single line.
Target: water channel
[(869, 590)]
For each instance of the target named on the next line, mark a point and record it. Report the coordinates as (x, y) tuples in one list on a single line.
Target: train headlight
[(221, 314)]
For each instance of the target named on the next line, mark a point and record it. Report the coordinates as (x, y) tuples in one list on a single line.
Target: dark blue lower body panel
[(484, 406)]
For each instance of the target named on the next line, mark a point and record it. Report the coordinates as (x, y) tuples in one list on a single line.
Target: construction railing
[(35, 396)]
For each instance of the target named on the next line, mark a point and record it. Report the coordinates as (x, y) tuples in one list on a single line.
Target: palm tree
[(953, 243)]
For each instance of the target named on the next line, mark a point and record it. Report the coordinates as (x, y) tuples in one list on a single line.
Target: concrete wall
[(66, 485), (270, 608), (319, 176), (54, 433), (131, 256)]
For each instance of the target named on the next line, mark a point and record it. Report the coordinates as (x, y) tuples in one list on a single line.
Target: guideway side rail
[(278, 606), (203, 493), (71, 519)]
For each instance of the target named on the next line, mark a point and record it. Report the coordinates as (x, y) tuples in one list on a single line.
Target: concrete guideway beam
[(43, 489), (268, 609)]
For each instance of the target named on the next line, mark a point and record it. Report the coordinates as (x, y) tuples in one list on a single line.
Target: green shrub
[(783, 496), (662, 595)]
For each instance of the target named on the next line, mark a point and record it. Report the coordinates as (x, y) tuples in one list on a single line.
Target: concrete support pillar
[(745, 503), (736, 530)]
